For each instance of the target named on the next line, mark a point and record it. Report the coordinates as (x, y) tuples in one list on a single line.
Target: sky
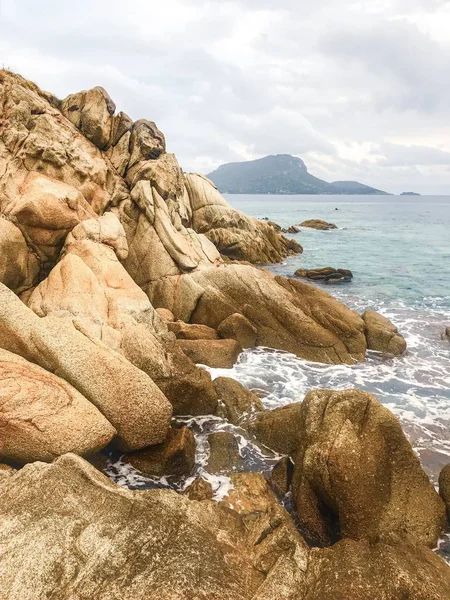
[(358, 90)]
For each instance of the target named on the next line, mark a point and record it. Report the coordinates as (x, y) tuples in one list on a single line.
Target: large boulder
[(318, 224), (352, 570), (42, 416), (125, 395), (382, 335), (326, 274), (287, 314), (357, 476)]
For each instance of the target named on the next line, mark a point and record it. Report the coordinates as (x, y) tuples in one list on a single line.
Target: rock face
[(327, 274), (42, 416), (356, 475), (125, 395), (382, 335), (67, 518), (318, 224)]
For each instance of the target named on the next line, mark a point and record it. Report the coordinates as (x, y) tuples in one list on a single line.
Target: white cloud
[(360, 90)]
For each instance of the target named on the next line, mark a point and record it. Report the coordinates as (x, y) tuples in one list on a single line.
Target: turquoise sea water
[(399, 251)]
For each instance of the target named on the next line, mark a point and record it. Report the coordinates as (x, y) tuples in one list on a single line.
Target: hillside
[(279, 174)]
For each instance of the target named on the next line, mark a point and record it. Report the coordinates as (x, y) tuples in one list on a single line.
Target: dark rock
[(327, 274), (199, 490), (444, 487), (175, 456), (224, 457), (281, 476)]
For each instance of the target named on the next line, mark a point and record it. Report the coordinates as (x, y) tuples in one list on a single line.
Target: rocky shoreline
[(119, 275)]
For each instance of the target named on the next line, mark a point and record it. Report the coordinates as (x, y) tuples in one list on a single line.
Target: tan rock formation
[(234, 234), (213, 554), (42, 416), (249, 493), (356, 475), (382, 335), (444, 487), (125, 395), (185, 331), (286, 313), (318, 224), (199, 489), (19, 267)]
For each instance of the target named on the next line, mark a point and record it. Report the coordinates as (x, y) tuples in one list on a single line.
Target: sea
[(398, 249)]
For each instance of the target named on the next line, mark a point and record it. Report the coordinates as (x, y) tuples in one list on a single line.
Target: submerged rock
[(318, 224), (224, 456), (382, 335), (357, 476), (281, 476)]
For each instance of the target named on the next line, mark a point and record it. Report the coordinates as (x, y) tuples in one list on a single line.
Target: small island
[(409, 194)]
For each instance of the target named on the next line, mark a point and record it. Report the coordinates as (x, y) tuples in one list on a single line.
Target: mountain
[(279, 174)]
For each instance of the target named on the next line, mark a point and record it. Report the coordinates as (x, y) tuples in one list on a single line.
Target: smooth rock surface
[(218, 354), (278, 429), (237, 327), (237, 400)]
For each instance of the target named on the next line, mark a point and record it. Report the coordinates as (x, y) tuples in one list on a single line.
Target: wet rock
[(249, 493), (218, 354), (175, 456), (186, 331), (42, 416), (446, 334), (278, 429), (237, 327), (444, 487), (199, 490), (224, 457), (166, 315), (382, 335), (356, 474), (281, 476), (327, 274), (237, 400), (318, 224)]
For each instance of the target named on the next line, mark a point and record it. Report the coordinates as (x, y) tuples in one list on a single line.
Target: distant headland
[(280, 174)]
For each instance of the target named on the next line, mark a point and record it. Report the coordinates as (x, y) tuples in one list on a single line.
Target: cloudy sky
[(359, 90)]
